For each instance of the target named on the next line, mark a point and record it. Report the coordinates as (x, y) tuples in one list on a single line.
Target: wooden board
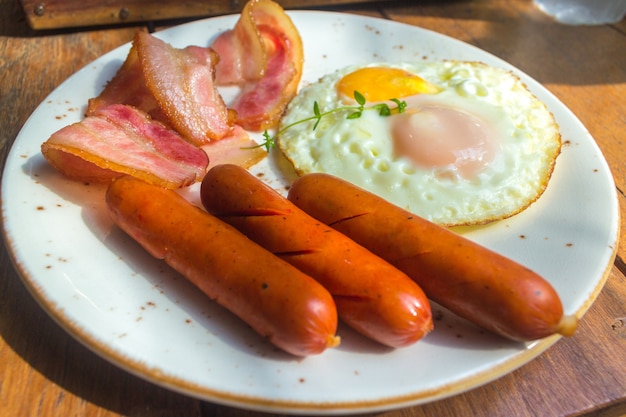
[(54, 14)]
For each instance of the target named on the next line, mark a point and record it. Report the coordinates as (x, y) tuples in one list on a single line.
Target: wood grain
[(44, 372), (54, 14)]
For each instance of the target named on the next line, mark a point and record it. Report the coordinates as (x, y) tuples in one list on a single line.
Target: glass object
[(584, 12)]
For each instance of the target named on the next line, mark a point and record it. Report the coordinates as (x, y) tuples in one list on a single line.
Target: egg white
[(361, 151)]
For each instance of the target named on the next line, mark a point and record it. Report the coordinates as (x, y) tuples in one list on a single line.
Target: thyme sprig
[(354, 112)]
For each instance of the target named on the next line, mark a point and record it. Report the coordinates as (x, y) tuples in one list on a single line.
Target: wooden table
[(44, 372)]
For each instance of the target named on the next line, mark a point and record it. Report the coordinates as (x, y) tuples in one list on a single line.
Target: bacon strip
[(260, 104), (174, 86), (120, 139), (241, 50), (128, 86), (182, 81), (263, 99)]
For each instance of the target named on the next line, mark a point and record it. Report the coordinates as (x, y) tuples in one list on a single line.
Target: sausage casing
[(372, 296), (472, 281), (277, 300)]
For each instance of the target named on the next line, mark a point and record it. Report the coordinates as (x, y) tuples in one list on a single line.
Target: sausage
[(277, 300), (478, 284), (371, 295)]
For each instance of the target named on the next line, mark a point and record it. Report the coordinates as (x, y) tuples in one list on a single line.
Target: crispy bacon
[(182, 83), (174, 86), (120, 139), (128, 86), (162, 95), (263, 97)]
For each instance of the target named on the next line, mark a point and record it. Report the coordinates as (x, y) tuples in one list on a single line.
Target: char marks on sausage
[(274, 298)]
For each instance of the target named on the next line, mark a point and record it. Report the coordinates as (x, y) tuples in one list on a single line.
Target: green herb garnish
[(355, 112)]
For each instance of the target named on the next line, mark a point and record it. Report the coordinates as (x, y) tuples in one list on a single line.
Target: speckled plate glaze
[(137, 313)]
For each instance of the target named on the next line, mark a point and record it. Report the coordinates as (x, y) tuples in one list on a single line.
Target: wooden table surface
[(45, 372)]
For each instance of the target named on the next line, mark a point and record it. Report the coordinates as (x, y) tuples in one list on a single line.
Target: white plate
[(137, 313)]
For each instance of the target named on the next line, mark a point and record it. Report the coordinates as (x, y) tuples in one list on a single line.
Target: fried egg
[(469, 145)]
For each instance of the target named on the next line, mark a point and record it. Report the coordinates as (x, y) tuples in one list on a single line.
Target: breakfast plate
[(134, 311)]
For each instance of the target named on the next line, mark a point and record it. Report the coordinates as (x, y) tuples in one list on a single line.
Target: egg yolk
[(381, 84), (443, 137)]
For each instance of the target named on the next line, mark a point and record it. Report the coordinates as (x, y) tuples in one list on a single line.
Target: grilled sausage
[(277, 300), (478, 284), (372, 296)]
